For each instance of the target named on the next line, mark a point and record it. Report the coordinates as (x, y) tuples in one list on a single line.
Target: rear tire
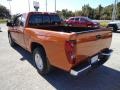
[(41, 61), (12, 43)]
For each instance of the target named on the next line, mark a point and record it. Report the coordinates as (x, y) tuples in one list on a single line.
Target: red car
[(81, 21)]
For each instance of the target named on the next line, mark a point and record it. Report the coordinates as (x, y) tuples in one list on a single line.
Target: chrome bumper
[(106, 56)]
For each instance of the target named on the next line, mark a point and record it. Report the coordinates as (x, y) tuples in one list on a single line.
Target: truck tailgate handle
[(98, 36)]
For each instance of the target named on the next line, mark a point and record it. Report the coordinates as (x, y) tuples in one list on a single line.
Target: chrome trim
[(75, 73), (86, 31), (106, 54)]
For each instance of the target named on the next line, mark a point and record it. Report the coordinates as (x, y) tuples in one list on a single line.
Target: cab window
[(83, 20), (46, 19), (71, 18), (55, 19), (35, 19), (76, 19)]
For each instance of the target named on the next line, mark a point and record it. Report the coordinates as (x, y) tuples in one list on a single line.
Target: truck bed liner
[(66, 29)]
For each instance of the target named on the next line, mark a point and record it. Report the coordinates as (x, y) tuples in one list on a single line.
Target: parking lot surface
[(17, 71)]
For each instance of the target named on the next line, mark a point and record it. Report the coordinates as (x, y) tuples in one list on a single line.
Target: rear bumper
[(103, 57)]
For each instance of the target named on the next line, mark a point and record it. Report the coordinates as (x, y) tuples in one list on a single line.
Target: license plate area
[(94, 59)]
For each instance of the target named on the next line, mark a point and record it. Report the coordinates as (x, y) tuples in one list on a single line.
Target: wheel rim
[(38, 61)]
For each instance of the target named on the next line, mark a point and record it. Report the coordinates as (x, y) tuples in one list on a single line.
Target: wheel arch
[(35, 45)]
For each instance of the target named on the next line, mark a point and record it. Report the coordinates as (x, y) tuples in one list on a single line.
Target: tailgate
[(91, 43)]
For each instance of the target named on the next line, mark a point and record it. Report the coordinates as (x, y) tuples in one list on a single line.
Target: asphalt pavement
[(17, 71)]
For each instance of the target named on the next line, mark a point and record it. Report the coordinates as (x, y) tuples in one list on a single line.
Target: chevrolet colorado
[(73, 49)]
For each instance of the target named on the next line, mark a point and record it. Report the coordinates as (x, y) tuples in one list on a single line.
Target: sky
[(21, 6)]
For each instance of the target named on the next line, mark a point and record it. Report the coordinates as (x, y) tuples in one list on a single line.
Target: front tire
[(41, 61)]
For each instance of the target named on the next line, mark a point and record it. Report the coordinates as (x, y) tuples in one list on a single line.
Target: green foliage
[(104, 23), (65, 13), (4, 12), (99, 13), (3, 21)]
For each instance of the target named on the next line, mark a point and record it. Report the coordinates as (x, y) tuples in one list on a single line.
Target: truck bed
[(66, 29), (89, 41)]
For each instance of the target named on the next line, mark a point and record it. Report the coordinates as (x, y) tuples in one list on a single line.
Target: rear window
[(43, 19), (71, 18), (46, 19), (83, 20), (55, 19), (35, 19), (76, 19)]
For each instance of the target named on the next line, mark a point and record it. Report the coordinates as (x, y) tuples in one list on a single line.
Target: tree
[(65, 13), (87, 11), (4, 12), (118, 10), (97, 13)]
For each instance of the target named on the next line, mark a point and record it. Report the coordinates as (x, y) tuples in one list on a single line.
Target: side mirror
[(9, 23)]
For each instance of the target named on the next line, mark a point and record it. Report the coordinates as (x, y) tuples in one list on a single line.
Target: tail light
[(70, 49)]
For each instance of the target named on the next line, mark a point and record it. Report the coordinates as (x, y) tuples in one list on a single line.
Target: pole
[(29, 5), (10, 6), (55, 5), (46, 5), (114, 13)]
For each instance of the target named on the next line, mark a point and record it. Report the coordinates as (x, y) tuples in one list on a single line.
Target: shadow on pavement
[(103, 78)]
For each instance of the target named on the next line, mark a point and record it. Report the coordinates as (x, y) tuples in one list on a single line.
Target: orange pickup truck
[(52, 44)]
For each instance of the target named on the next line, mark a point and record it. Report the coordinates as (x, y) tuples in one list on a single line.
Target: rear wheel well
[(35, 45)]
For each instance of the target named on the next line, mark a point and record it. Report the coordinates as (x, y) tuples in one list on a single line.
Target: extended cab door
[(20, 31), (14, 29)]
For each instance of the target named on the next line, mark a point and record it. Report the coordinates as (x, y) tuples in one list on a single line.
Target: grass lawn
[(104, 23), (3, 21)]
